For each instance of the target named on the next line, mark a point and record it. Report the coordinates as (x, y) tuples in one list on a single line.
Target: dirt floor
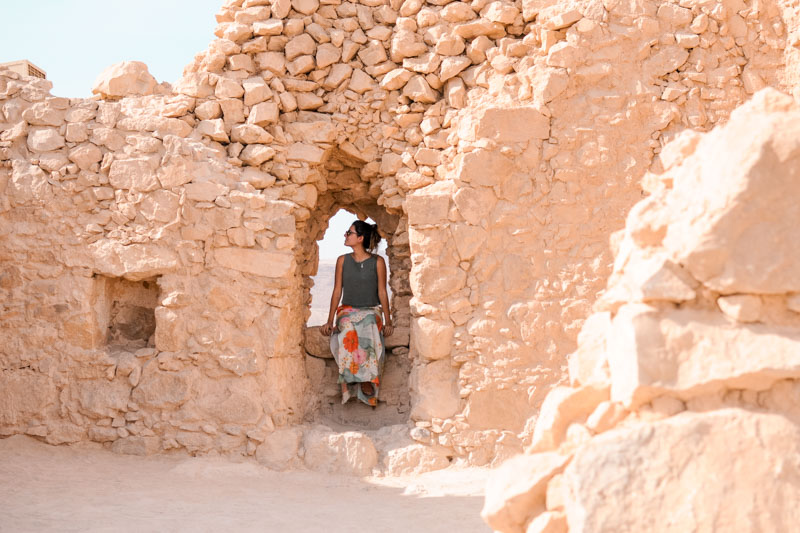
[(60, 488)]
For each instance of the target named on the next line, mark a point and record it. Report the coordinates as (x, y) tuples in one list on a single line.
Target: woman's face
[(351, 237)]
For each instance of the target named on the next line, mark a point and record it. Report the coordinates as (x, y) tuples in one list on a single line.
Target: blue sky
[(74, 40)]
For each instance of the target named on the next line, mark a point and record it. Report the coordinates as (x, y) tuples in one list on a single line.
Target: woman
[(363, 319)]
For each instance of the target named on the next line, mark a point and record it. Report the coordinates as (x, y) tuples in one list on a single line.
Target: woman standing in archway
[(363, 319)]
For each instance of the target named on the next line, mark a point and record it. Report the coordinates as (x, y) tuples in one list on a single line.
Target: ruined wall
[(497, 144), (683, 406)]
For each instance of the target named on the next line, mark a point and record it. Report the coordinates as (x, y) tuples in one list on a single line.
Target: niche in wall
[(126, 310)]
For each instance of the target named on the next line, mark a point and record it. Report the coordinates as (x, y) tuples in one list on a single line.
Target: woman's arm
[(327, 329), (388, 327)]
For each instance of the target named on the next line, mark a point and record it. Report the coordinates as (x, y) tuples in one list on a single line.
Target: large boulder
[(128, 78)]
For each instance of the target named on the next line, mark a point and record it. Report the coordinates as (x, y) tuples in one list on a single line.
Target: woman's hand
[(388, 329), (327, 329)]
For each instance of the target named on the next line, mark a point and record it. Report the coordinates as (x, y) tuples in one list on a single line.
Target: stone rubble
[(681, 410), (157, 241)]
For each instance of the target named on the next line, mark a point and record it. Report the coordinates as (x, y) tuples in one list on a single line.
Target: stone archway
[(347, 190)]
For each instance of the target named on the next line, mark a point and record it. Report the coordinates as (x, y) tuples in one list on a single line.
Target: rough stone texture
[(165, 236), (702, 413), (739, 450)]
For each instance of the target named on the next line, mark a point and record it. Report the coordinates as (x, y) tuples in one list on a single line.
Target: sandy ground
[(59, 488)]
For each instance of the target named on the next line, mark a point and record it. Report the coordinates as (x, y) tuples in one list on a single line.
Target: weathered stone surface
[(135, 174), (24, 395), (681, 454), (351, 453), (135, 445), (516, 491), (504, 409), (436, 387), (279, 449), (134, 262), (258, 262), (687, 353), (128, 78), (163, 389), (431, 338), (414, 459)]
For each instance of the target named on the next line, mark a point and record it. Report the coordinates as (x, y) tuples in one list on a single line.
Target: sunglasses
[(348, 233)]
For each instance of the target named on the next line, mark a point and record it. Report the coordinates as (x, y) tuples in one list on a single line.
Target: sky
[(73, 41)]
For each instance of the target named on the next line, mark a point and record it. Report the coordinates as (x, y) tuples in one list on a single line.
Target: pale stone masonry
[(157, 242)]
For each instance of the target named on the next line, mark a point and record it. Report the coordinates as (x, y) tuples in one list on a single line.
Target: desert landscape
[(590, 211)]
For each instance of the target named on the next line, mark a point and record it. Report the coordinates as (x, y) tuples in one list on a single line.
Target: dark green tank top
[(360, 282)]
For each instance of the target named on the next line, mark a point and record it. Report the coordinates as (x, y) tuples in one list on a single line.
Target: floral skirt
[(357, 346)]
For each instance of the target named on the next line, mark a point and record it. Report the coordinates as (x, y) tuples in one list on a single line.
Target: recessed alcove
[(125, 310)]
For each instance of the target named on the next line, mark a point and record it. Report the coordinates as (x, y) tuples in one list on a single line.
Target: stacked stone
[(687, 374), (484, 138)]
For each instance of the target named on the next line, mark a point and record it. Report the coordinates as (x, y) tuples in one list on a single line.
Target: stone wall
[(683, 403), (498, 145)]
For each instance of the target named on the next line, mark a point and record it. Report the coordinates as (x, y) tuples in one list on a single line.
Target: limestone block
[(234, 402), (64, 433), (317, 344), (457, 12), (418, 90), (351, 452), (85, 155), (313, 132), (256, 154), (306, 7), (103, 398), (215, 129), (432, 283), (128, 78), (665, 61), (475, 203), (163, 390), (686, 353), (43, 139), (250, 134), (340, 72), (507, 125), (502, 12), (589, 363), (280, 448), (432, 338), (414, 459), (561, 407), (516, 491), (205, 191), (24, 394), (423, 64), (327, 54), (274, 62), (133, 174), (258, 178), (258, 262), (484, 167), (470, 30), (256, 91), (160, 206), (303, 44), (361, 82), (429, 205), (498, 409), (434, 388), (469, 239), (228, 88), (268, 27), (46, 113), (735, 228), (405, 44), (263, 114), (396, 79), (103, 434), (244, 362), (686, 457), (28, 183), (134, 262), (308, 153), (452, 66)]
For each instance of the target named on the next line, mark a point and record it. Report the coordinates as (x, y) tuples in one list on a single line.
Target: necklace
[(360, 263)]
